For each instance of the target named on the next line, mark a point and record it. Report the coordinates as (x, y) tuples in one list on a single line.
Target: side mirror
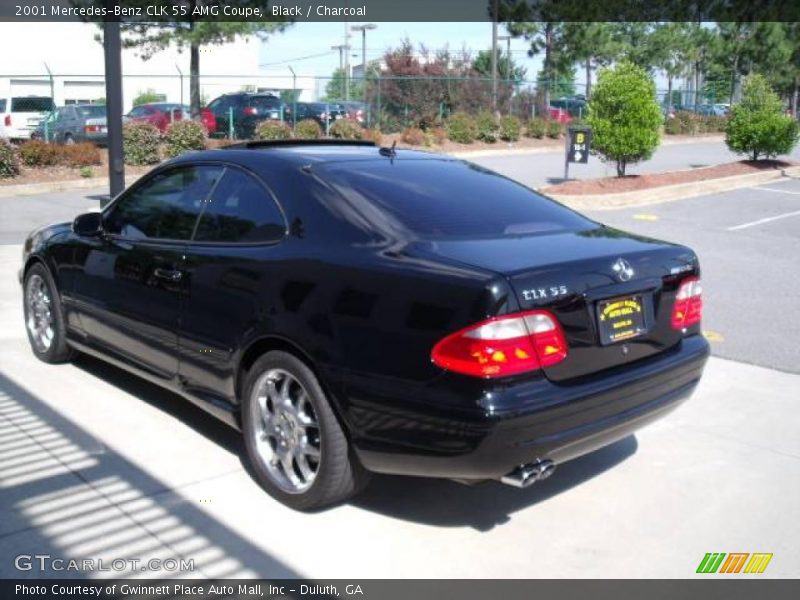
[(88, 224)]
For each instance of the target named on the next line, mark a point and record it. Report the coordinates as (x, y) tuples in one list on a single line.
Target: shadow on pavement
[(64, 493), (486, 505)]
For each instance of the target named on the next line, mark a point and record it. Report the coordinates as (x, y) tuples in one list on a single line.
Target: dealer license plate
[(620, 319)]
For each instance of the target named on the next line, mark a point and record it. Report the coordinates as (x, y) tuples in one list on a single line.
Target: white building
[(31, 52)]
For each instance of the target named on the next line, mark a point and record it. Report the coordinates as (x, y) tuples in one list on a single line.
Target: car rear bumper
[(555, 422)]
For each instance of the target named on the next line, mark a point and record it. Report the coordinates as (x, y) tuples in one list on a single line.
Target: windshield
[(448, 198), (31, 104), (93, 111)]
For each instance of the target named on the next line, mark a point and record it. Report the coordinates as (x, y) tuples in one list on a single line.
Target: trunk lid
[(579, 274)]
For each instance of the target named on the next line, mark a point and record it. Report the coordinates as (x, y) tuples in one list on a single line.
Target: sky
[(307, 46)]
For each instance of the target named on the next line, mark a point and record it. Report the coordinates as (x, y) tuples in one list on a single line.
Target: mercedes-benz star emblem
[(623, 269)]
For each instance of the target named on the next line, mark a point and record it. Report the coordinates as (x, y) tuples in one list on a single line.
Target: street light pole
[(363, 29), (113, 77), (495, 10)]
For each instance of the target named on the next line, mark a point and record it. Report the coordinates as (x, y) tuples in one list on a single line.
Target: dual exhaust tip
[(526, 475)]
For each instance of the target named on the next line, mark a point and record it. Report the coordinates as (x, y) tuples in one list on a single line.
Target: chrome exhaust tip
[(526, 475)]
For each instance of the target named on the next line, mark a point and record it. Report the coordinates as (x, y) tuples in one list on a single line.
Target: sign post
[(577, 144)]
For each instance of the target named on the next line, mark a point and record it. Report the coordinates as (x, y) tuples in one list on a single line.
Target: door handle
[(168, 274)]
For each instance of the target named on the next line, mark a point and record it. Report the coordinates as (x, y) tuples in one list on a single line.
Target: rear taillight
[(503, 346), (91, 129), (250, 110), (688, 308), (7, 120)]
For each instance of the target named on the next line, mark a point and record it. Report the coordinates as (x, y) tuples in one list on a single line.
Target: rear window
[(264, 102), (31, 104), (448, 199), (92, 112)]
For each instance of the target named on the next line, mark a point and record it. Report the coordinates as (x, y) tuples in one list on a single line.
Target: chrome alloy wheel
[(40, 316), (287, 434)]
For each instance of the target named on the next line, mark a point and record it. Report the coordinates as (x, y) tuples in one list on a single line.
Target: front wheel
[(44, 319), (295, 444)]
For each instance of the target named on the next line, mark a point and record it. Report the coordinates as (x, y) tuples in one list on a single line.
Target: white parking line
[(766, 220), (766, 189)]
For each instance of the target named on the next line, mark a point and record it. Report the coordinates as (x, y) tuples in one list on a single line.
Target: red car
[(160, 114)]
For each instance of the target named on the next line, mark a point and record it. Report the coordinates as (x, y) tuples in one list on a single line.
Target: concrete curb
[(668, 193), (559, 149), (48, 187)]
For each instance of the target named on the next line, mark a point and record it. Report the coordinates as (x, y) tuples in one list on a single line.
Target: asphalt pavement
[(95, 463)]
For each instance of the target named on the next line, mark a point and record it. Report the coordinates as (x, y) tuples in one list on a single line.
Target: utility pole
[(113, 76), (363, 29), (495, 10), (346, 63)]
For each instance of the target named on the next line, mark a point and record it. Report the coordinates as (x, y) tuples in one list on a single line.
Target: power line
[(296, 59)]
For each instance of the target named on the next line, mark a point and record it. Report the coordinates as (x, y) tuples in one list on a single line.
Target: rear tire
[(69, 140), (295, 444), (44, 317)]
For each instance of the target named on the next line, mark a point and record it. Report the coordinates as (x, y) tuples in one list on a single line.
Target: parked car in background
[(566, 108), (20, 115), (324, 113), (75, 123), (353, 309), (357, 111), (247, 110), (159, 114), (711, 110)]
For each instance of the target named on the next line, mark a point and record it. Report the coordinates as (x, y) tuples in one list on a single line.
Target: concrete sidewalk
[(95, 463)]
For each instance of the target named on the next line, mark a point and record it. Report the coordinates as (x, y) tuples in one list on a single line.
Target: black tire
[(57, 351), (338, 474), (68, 139)]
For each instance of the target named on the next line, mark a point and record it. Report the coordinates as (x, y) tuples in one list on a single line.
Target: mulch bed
[(630, 183)]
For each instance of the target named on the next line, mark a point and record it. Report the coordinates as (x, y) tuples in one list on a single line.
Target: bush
[(554, 129), (537, 127), (87, 172), (346, 129), (84, 154), (438, 135), (414, 136), (487, 127), (9, 161), (272, 130), (184, 136), (140, 144), (688, 122), (624, 116), (373, 135), (307, 129), (672, 126), (510, 128), (757, 126), (37, 153), (461, 128)]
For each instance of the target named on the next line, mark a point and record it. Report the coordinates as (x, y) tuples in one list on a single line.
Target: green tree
[(507, 69), (593, 45), (671, 42), (146, 97), (158, 33), (624, 116), (757, 126), (335, 88), (545, 38)]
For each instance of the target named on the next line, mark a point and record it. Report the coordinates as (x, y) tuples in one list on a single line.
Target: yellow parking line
[(645, 217), (713, 336)]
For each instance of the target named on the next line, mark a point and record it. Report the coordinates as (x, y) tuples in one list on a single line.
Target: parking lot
[(94, 462)]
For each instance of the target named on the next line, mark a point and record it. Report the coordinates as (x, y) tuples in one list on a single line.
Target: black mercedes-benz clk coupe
[(355, 309)]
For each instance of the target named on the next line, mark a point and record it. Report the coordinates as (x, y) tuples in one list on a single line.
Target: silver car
[(75, 123)]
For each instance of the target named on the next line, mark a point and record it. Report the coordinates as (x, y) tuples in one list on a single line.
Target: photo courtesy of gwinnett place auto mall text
[(399, 300)]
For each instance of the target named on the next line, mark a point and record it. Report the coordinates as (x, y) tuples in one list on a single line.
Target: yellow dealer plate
[(620, 319)]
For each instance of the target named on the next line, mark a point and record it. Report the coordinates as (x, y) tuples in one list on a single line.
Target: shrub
[(37, 153), (140, 144), (510, 128), (373, 135), (462, 128), (307, 129), (487, 127), (624, 116), (714, 123), (688, 122), (537, 127), (272, 130), (346, 129), (414, 136), (672, 126), (438, 135), (84, 154), (9, 161), (757, 126), (87, 172), (184, 136), (554, 129)]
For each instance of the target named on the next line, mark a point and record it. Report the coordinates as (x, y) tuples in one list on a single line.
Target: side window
[(136, 112), (165, 207), (240, 210), (3, 105)]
